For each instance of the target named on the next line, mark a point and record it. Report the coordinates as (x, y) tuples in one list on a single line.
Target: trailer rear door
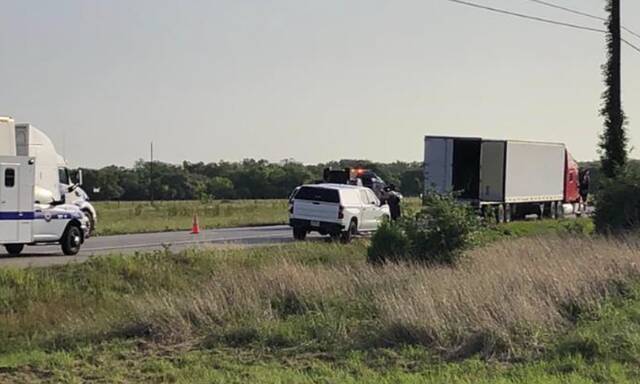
[(16, 201), (438, 164), (9, 193)]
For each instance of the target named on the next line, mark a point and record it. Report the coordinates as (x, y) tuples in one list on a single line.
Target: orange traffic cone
[(195, 228)]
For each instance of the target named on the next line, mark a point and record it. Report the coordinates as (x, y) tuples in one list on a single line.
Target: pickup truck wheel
[(299, 233), (350, 232), (71, 240), (14, 249)]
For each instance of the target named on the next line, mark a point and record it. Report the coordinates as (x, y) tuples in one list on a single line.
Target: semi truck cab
[(72, 193)]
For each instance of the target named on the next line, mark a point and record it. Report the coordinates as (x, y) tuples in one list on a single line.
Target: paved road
[(51, 254)]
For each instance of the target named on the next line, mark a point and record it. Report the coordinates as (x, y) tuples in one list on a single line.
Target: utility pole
[(613, 141), (151, 175)]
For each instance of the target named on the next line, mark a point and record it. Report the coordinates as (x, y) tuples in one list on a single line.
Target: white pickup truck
[(338, 210), (26, 221)]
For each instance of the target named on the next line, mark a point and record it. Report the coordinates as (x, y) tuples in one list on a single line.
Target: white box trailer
[(512, 175), (25, 222)]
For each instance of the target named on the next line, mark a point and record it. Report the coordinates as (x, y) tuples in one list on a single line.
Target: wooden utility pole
[(613, 140), (151, 175)]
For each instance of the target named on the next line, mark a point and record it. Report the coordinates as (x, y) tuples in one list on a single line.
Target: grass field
[(136, 217), (562, 308)]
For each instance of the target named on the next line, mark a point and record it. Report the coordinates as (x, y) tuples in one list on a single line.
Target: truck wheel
[(500, 214), (299, 233), (553, 211), (541, 211), (92, 222), (14, 249), (560, 208), (350, 232), (71, 240)]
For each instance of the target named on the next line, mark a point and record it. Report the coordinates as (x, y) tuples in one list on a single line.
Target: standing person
[(584, 186)]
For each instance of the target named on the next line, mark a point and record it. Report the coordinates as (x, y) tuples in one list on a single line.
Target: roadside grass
[(136, 361), (531, 228), (140, 216), (521, 310), (137, 217)]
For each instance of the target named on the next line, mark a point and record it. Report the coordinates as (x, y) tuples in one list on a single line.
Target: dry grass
[(508, 296)]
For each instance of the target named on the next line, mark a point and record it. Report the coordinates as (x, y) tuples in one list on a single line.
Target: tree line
[(248, 179)]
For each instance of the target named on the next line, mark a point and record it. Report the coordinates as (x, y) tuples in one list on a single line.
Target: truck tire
[(350, 232), (299, 233), (14, 249), (500, 214), (92, 221), (71, 240), (560, 208), (553, 210)]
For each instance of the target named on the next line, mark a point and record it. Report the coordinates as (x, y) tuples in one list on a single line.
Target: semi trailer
[(507, 177)]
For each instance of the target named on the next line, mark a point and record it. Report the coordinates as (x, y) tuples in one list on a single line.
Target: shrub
[(617, 204), (389, 243), (439, 234)]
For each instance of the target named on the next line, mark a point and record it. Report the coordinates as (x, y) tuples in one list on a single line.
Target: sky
[(307, 80)]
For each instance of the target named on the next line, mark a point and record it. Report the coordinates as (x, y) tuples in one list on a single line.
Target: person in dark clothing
[(394, 206), (584, 186)]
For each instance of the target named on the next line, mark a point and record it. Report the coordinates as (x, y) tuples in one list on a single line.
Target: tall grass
[(510, 298)]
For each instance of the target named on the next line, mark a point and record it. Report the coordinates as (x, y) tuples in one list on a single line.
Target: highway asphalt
[(52, 254)]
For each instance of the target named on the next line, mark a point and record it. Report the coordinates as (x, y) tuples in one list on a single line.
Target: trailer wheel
[(71, 240), (14, 249), (500, 214), (541, 211), (553, 210)]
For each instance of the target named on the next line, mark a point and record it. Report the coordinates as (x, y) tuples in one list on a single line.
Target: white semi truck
[(513, 178), (30, 215), (53, 179)]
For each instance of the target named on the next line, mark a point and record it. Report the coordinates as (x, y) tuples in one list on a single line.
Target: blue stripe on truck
[(17, 215)]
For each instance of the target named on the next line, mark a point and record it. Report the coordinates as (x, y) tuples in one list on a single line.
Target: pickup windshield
[(318, 194)]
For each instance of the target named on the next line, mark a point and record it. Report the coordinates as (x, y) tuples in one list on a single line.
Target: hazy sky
[(309, 80)]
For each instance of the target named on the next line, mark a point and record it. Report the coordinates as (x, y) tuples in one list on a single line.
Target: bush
[(389, 243), (617, 204), (439, 234)]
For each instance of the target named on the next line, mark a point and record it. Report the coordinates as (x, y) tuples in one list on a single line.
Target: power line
[(522, 15), (539, 19), (576, 12), (568, 10), (635, 47)]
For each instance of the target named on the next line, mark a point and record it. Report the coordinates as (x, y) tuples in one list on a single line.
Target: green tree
[(613, 141)]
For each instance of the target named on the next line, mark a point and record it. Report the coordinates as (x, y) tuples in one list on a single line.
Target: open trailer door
[(438, 164)]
